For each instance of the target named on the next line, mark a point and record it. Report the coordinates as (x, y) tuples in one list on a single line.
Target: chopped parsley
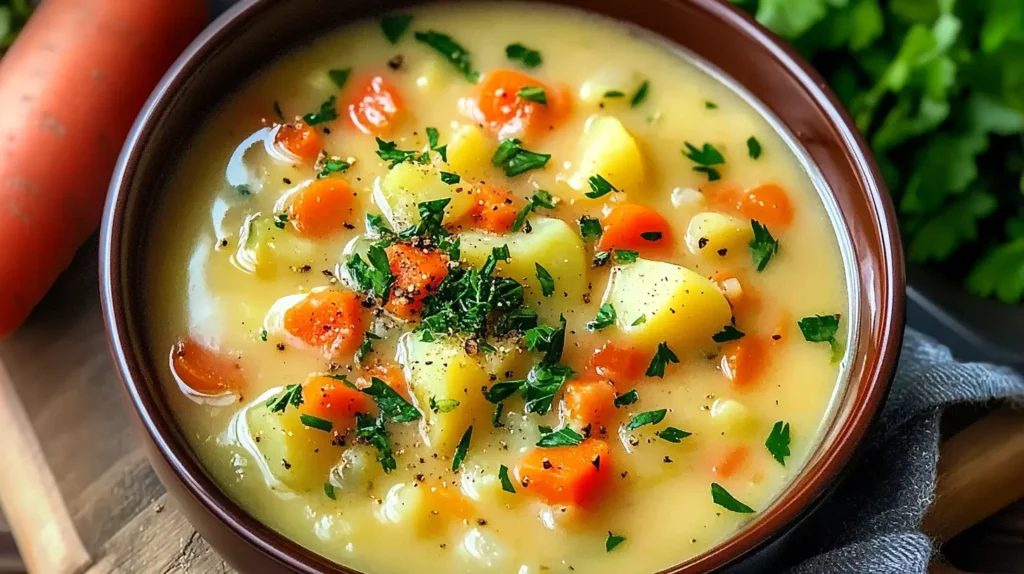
[(728, 333), (462, 449), (542, 385), (624, 256), (763, 246), (388, 151), (393, 407), (496, 416), (822, 329), (366, 347), (538, 338), (533, 94), (327, 112), (329, 491), (599, 186), (547, 282), (705, 158), (376, 225), (434, 138), (710, 105), (529, 58), (316, 422), (450, 178), (564, 436), (624, 400), (614, 94), (451, 50), (605, 318), (292, 395), (506, 483), (374, 277), (721, 497), (753, 148), (672, 434), (372, 431), (590, 228), (280, 220), (639, 320), (651, 235), (646, 418), (243, 189), (613, 541), (263, 335), (503, 390), (540, 199), (339, 77), (515, 160), (394, 26), (778, 442), (331, 166), (662, 357), (640, 95), (443, 405)]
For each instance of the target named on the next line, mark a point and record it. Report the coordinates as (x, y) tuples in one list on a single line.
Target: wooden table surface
[(63, 375)]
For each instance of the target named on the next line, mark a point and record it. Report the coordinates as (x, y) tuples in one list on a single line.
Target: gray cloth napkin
[(870, 523)]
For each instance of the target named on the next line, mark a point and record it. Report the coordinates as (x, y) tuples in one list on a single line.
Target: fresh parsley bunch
[(937, 88)]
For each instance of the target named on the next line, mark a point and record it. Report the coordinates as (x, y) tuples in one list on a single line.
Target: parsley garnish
[(503, 390), (326, 113), (263, 335), (753, 148), (280, 220), (339, 77), (721, 497), (443, 405), (333, 165), (515, 160), (646, 418), (542, 384), (433, 137), (672, 434), (728, 333), (547, 282), (624, 256), (778, 442), (651, 235), (540, 199), (822, 329), (376, 225), (639, 320), (243, 189), (627, 399), (388, 151), (391, 404), (373, 432), (533, 94), (496, 416), (564, 436), (599, 186), (705, 157), (451, 50), (506, 483), (762, 247), (640, 95), (613, 541), (605, 318), (462, 449), (710, 105), (450, 178), (394, 26), (529, 58), (329, 491), (590, 228), (292, 395), (366, 347), (375, 277), (662, 357), (614, 94), (316, 422)]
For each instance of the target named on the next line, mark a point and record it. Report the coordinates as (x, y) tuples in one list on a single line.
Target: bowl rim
[(783, 513)]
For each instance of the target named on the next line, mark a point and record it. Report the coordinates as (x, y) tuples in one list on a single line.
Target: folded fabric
[(871, 522)]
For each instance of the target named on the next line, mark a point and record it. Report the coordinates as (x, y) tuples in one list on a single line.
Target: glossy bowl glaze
[(253, 32)]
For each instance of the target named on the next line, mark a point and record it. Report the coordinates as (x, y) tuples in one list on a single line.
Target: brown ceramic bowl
[(254, 31)]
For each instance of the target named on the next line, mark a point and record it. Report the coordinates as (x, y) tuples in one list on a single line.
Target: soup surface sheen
[(689, 388)]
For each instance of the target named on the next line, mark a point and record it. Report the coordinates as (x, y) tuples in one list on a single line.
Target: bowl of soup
[(498, 287)]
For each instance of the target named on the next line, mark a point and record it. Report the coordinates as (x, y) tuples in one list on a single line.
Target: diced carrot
[(571, 475), (744, 360), (495, 208), (204, 371), (377, 107), (332, 400), (721, 196), (331, 321), (768, 204), (500, 108), (590, 401), (731, 461), (418, 272), (321, 208), (391, 374), (300, 140), (445, 500), (618, 363), (635, 227)]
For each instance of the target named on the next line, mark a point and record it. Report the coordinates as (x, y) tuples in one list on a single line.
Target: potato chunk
[(295, 454), (716, 235), (404, 187), (608, 150), (553, 244), (680, 307), (732, 417), (429, 507), (470, 151)]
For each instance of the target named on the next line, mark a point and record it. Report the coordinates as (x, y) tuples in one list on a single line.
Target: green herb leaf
[(280, 220), (614, 94), (564, 436), (316, 422), (243, 189), (506, 483), (339, 77), (646, 418), (331, 166), (292, 395), (590, 228), (514, 160), (450, 178), (329, 491), (263, 335), (605, 318), (451, 50), (662, 357), (778, 442), (613, 541), (377, 227), (392, 406), (529, 58), (753, 148), (547, 282), (462, 449), (394, 26), (503, 390), (532, 94), (540, 199), (443, 405), (728, 333), (672, 434), (710, 105), (599, 187), (640, 95), (601, 258), (624, 256), (542, 385), (388, 151), (366, 347), (496, 416), (704, 157), (373, 432), (639, 320), (326, 113), (819, 328), (624, 400), (762, 247), (721, 497), (433, 137)]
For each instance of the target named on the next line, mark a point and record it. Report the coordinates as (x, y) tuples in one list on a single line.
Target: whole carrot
[(70, 88)]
